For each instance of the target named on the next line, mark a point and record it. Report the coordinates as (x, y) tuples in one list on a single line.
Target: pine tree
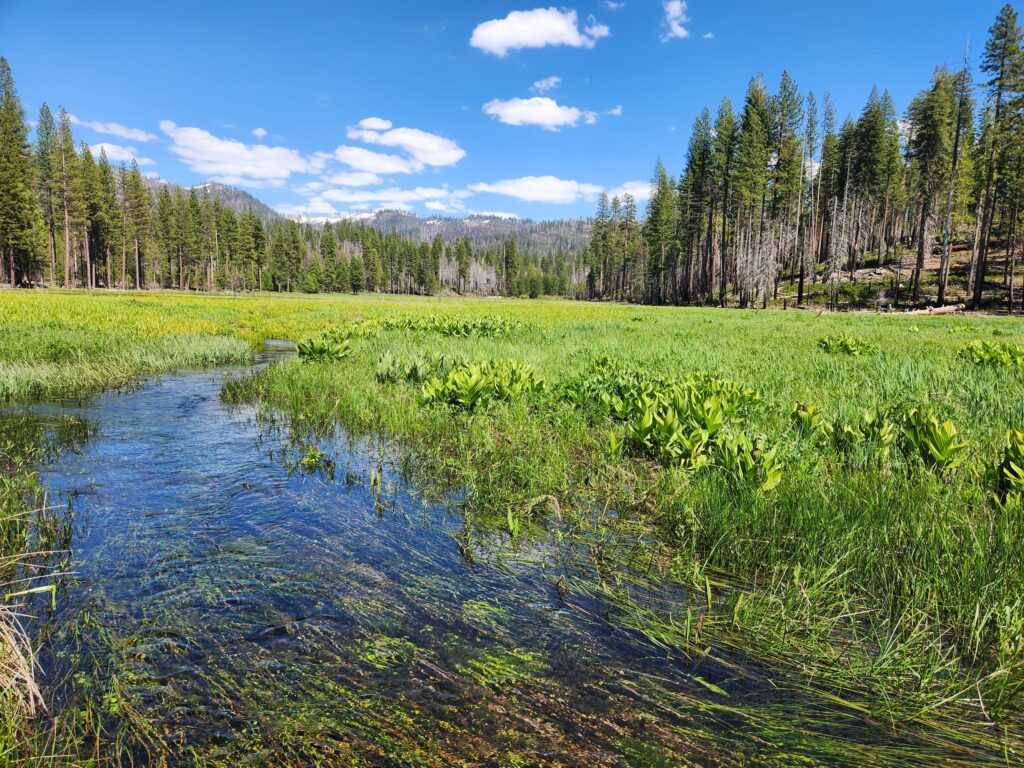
[(68, 170), (137, 204), (1003, 61), (108, 216), (48, 181), (18, 206), (932, 117)]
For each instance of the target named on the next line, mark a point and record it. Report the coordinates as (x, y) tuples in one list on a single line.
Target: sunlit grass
[(881, 567)]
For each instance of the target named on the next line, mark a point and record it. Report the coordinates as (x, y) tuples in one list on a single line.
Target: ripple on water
[(223, 607)]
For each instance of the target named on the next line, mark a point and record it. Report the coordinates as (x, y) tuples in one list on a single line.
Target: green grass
[(891, 584)]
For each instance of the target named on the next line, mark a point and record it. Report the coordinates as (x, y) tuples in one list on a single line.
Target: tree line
[(70, 219), (778, 193)]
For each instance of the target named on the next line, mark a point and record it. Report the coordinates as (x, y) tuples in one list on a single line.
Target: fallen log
[(951, 309)]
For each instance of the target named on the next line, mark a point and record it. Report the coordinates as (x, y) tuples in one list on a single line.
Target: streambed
[(224, 607)]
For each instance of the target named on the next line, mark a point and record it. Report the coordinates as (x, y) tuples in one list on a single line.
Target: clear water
[(226, 609)]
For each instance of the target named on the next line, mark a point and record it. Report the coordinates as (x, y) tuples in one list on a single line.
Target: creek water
[(223, 607)]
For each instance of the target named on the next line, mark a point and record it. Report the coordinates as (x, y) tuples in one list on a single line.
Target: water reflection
[(230, 606)]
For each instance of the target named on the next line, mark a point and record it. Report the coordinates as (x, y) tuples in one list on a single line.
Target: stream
[(225, 607)]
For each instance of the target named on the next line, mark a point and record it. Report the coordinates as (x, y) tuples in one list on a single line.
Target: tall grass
[(884, 580)]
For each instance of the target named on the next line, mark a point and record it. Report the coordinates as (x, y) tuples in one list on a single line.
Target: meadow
[(836, 498)]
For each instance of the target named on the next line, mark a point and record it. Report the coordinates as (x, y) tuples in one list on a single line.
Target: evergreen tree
[(1003, 61), (48, 181), (18, 205)]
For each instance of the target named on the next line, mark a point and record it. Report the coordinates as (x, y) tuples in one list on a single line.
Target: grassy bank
[(794, 473)]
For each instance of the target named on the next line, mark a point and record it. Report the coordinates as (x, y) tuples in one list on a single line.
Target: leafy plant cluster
[(1009, 494), (458, 326), (326, 348), (690, 424), (995, 354), (469, 387), (417, 369), (918, 434), (844, 344)]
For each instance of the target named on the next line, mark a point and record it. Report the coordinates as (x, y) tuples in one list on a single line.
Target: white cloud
[(119, 154), (114, 129), (709, 35), (547, 84), (425, 148), (536, 29), (368, 161), (615, 111), (675, 18), (375, 124), (312, 208), (640, 190), (541, 189), (393, 195), (232, 162), (353, 179), (232, 180), (318, 161), (259, 133), (539, 110), (611, 5)]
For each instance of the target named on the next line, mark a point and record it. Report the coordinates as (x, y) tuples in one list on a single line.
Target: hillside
[(485, 232), (232, 197)]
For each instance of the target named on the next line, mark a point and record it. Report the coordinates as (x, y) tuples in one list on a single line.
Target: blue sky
[(449, 107)]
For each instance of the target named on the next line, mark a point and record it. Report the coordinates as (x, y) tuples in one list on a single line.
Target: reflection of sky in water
[(225, 605)]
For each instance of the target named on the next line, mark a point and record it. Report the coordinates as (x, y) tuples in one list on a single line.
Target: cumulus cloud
[(541, 189), (315, 208), (640, 190), (419, 149), (119, 154), (375, 124), (233, 162), (368, 161), (353, 179), (539, 110), (536, 29), (259, 133), (709, 35), (423, 147), (547, 84), (675, 18), (435, 198), (114, 129), (611, 5), (615, 111)]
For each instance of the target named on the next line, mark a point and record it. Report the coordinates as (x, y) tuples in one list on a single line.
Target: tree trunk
[(922, 246), (138, 266)]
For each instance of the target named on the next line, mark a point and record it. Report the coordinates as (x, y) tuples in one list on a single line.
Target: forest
[(779, 193), (72, 220), (777, 196)]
